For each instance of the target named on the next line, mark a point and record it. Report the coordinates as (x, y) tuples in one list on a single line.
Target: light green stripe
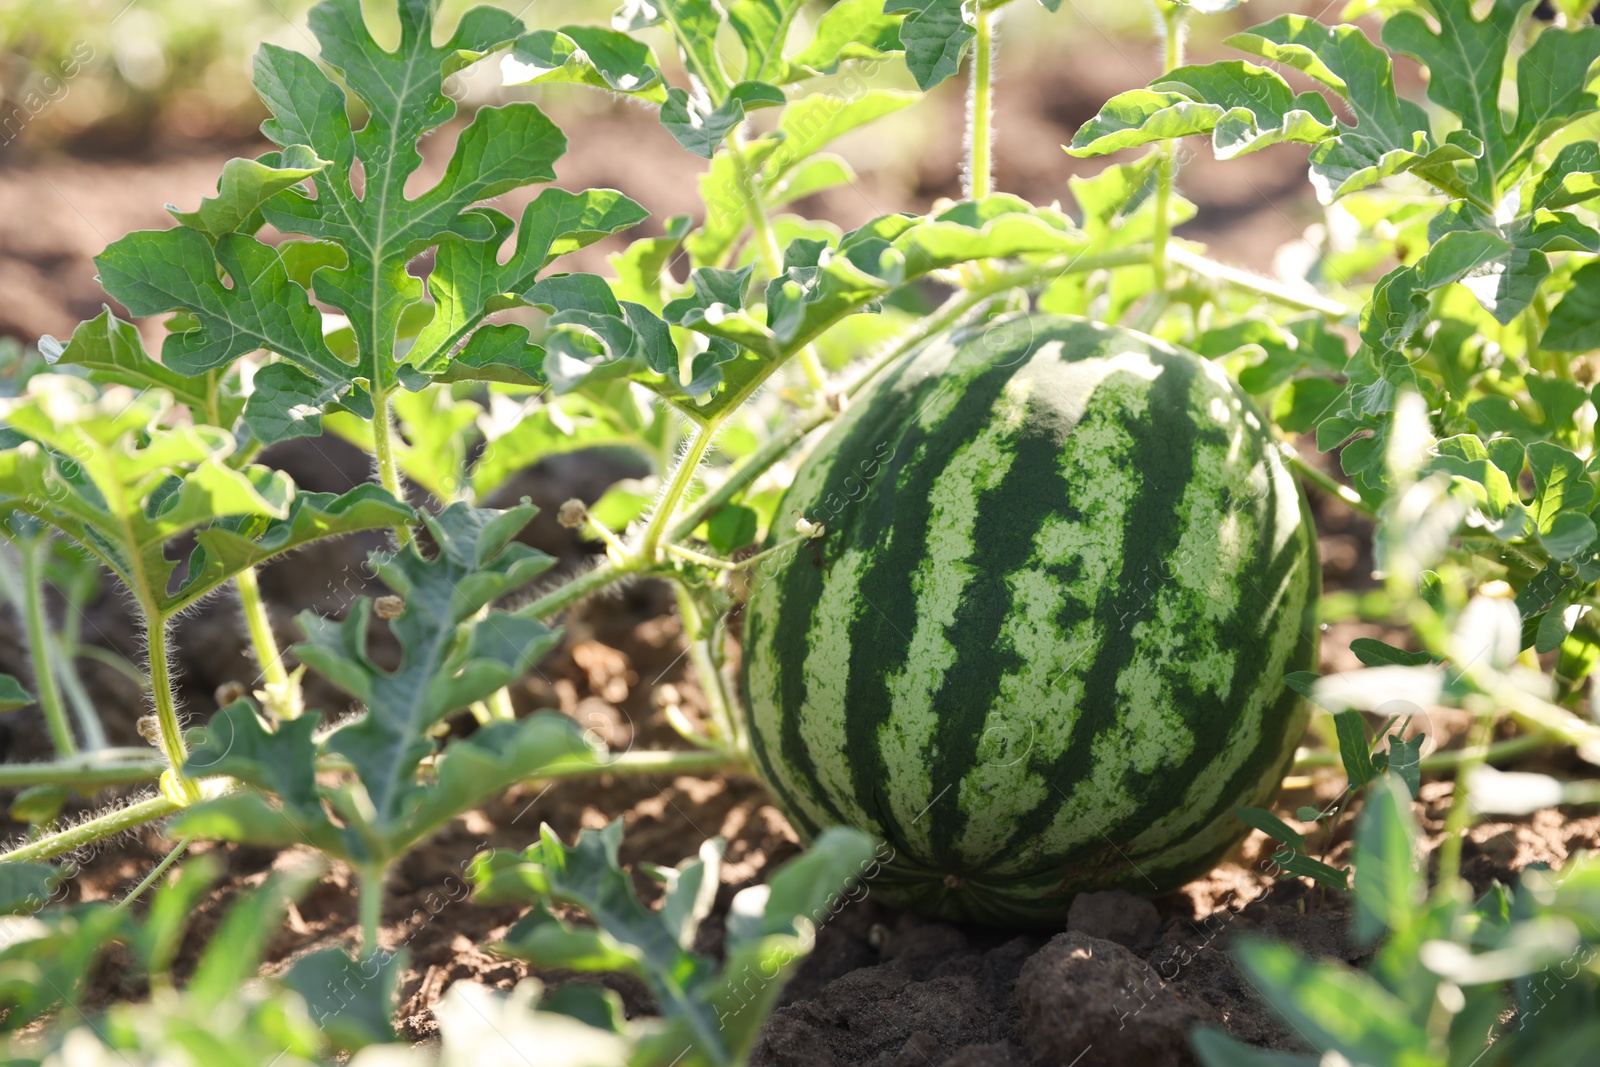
[(1281, 616), (1038, 705), (826, 673), (946, 569), (1176, 645)]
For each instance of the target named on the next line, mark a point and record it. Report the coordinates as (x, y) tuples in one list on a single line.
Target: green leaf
[(763, 27), (384, 228), (1571, 325), (280, 760), (351, 1002), (801, 894), (1389, 885), (806, 126), (690, 890), (239, 297), (1465, 58), (468, 280), (229, 545), (1334, 1006), (493, 759), (172, 905), (1271, 825), (1294, 864), (26, 887), (1354, 750), (122, 491), (48, 957), (1374, 653), (113, 350), (850, 29), (696, 124), (732, 528), (1560, 483), (1244, 107), (12, 694), (1404, 760), (233, 955), (694, 25), (1502, 265), (244, 186), (1573, 177), (449, 657), (1389, 135), (630, 936), (585, 55), (935, 35), (530, 434), (1215, 1048), (715, 1011)]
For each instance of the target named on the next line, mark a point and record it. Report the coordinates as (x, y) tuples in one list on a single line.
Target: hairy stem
[(96, 829), (160, 869), (1171, 59), (85, 772), (39, 641), (170, 731), (980, 108), (682, 478), (383, 451), (283, 695), (569, 593)]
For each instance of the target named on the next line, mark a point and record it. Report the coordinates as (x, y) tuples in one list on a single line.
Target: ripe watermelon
[(1041, 646)]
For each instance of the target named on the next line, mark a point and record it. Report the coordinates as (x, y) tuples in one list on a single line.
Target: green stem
[(1172, 57), (569, 593), (980, 109), (96, 829), (767, 244), (171, 732), (44, 675), (371, 908), (1322, 480), (83, 773), (1243, 279), (1459, 817), (702, 654), (282, 692), (383, 451), (1456, 191), (673, 761), (160, 869), (1444, 762), (62, 656), (682, 478)]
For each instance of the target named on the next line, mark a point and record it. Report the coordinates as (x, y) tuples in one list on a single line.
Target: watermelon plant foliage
[(1437, 335)]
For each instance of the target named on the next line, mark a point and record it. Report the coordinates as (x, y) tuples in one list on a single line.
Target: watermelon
[(1040, 646)]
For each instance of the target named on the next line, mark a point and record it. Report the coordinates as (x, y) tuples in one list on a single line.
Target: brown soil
[(1121, 985)]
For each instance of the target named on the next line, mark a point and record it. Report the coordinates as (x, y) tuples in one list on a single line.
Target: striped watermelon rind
[(1040, 648)]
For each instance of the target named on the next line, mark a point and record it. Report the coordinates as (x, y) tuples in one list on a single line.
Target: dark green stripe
[(886, 407), (1164, 444)]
